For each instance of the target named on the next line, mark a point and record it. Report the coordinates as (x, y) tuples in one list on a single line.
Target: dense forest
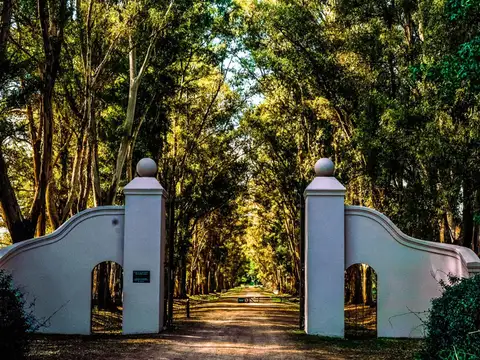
[(236, 100)]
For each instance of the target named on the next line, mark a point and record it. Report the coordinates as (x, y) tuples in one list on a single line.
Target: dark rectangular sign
[(141, 276)]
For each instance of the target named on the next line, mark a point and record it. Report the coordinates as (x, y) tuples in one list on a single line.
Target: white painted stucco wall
[(408, 270), (56, 269)]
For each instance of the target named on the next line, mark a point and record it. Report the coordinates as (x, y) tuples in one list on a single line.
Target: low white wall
[(408, 270), (56, 269)]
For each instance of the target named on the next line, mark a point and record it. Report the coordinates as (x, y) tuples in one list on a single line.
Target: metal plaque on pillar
[(141, 276)]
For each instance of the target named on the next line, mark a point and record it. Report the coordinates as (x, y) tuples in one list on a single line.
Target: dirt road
[(221, 330), (229, 330)]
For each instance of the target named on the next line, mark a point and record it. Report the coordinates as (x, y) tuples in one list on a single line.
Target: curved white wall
[(408, 270), (55, 270)]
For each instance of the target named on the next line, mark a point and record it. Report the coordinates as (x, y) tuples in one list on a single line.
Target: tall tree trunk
[(183, 279), (476, 234), (171, 249), (46, 118), (205, 279), (52, 23), (41, 223), (75, 179), (83, 201), (363, 269), (369, 285), (192, 282), (83, 165), (51, 206), (198, 284), (102, 286), (218, 280), (6, 18), (35, 140), (119, 284), (125, 143), (213, 284), (131, 148), (19, 228), (129, 164), (357, 284), (348, 290), (92, 139), (467, 216)]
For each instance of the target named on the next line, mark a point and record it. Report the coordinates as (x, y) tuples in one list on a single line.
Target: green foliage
[(453, 324), (388, 90), (15, 322)]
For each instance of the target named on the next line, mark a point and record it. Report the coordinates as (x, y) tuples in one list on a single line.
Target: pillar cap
[(325, 184), (147, 168), (145, 182), (324, 167)]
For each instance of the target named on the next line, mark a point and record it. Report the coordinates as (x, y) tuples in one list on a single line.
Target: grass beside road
[(374, 349), (208, 297)]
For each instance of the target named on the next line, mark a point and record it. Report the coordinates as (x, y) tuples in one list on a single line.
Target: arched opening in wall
[(360, 301), (107, 298)]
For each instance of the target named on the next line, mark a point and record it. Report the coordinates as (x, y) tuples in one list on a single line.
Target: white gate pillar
[(144, 252), (324, 253)]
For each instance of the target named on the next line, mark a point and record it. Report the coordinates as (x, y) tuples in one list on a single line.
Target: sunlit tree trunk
[(467, 216), (127, 126), (370, 277)]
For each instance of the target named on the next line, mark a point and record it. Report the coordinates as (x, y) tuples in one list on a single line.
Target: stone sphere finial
[(324, 167), (147, 168)]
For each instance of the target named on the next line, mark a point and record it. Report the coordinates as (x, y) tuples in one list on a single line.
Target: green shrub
[(453, 324), (15, 321)]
